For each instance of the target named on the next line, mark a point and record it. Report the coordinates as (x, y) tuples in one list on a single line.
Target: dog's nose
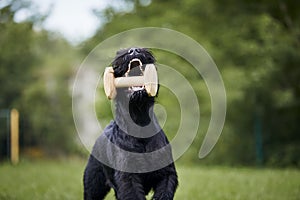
[(134, 51)]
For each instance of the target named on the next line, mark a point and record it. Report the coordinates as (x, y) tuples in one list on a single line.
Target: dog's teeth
[(136, 88)]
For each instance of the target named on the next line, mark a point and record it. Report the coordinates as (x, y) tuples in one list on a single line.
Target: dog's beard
[(139, 107), (134, 100)]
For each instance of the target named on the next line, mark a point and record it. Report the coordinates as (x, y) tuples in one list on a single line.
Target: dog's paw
[(163, 196)]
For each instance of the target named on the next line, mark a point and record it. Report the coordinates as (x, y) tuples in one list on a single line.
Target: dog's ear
[(149, 55), (118, 63)]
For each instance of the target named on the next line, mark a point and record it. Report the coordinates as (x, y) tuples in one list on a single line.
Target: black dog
[(122, 156)]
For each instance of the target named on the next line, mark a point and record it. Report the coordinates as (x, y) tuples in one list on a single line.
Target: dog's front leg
[(129, 187), (166, 188)]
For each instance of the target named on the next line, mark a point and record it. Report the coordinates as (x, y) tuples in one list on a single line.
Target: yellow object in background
[(14, 136)]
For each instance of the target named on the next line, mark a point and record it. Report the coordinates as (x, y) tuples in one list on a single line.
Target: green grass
[(63, 180)]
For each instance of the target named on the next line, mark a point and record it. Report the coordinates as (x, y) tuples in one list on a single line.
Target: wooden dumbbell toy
[(149, 81)]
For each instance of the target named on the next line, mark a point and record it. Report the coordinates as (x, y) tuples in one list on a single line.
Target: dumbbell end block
[(151, 80), (109, 85)]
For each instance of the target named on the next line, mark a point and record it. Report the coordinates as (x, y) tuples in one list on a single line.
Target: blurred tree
[(47, 99), (256, 46), (17, 56), (36, 68)]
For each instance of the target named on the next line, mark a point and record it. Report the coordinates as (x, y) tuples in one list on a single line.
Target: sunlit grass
[(63, 180), (41, 180)]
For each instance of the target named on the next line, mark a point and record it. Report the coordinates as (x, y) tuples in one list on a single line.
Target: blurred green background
[(255, 44)]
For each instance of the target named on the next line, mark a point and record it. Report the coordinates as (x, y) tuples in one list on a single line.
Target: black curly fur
[(134, 106), (124, 56)]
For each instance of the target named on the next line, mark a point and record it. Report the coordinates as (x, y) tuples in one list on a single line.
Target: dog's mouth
[(135, 62), (135, 68)]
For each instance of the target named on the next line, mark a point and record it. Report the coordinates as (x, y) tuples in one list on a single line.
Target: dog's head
[(131, 62), (131, 59)]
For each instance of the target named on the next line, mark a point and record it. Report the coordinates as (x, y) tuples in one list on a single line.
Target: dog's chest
[(139, 145)]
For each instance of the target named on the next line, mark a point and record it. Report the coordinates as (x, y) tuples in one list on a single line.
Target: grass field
[(63, 180)]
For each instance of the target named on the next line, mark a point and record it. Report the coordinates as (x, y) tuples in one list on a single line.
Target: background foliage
[(254, 43)]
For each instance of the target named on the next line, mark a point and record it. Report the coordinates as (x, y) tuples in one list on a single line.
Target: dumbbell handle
[(129, 81)]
